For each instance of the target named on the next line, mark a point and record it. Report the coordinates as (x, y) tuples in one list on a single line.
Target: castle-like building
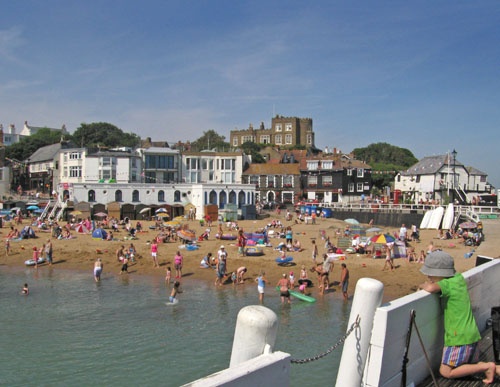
[(285, 131)]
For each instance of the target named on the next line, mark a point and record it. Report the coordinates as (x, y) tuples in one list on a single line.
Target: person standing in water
[(261, 285), (98, 266)]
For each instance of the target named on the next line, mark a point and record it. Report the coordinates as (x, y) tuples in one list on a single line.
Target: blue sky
[(423, 75)]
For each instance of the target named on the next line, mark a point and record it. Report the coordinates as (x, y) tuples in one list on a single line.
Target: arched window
[(91, 195), (161, 196), (232, 197), (213, 197), (135, 195), (118, 196), (241, 199), (177, 196), (222, 199)]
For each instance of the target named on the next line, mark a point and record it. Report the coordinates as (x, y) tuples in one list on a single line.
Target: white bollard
[(367, 298), (255, 333)]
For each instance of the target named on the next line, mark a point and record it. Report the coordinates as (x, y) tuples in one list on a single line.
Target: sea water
[(121, 332)]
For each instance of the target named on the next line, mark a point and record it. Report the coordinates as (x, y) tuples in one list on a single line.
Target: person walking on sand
[(344, 280), (261, 285), (178, 261), (461, 333), (7, 246), (48, 251), (388, 258), (98, 267), (154, 253), (314, 253)]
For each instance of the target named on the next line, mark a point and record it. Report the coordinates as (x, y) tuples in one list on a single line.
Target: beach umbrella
[(144, 210), (351, 221), (382, 238), (468, 225), (161, 210), (33, 208), (374, 229), (101, 214)]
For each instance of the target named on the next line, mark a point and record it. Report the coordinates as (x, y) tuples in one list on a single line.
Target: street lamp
[(349, 174), (454, 154)]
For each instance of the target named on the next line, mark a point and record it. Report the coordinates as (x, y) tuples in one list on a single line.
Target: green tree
[(103, 134), (386, 160), (210, 140), (253, 149), (28, 145)]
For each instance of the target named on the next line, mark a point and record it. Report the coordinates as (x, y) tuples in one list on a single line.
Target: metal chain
[(354, 325)]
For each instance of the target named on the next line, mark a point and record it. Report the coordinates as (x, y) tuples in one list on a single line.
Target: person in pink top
[(178, 265), (154, 253)]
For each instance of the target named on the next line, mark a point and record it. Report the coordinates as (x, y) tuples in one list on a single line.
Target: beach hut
[(114, 210)]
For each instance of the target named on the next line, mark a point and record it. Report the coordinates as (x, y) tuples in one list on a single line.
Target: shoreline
[(79, 254)]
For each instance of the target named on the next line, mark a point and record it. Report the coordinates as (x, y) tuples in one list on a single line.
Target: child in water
[(168, 276), (173, 293), (25, 290)]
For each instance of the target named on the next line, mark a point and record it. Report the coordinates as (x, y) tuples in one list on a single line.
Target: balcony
[(270, 185)]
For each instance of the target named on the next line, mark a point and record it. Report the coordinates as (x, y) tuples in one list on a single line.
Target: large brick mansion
[(284, 131)]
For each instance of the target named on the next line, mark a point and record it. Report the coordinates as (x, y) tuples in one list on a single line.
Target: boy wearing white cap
[(460, 329)]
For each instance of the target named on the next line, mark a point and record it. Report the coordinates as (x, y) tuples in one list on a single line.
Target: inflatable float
[(31, 262), (254, 251), (299, 295), (282, 261), (192, 247), (228, 237), (307, 281)]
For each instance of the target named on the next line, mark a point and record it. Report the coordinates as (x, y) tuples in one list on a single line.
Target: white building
[(441, 179), (213, 167)]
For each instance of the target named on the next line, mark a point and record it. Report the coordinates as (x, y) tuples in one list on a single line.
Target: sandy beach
[(81, 252)]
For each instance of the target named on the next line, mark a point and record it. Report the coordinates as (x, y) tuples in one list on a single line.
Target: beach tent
[(99, 233), (80, 228), (27, 232), (399, 249)]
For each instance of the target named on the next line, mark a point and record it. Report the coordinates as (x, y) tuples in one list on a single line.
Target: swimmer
[(173, 293), (25, 290)]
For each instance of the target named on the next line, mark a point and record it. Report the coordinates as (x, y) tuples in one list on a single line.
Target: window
[(91, 195), (75, 171), (328, 164), (288, 139), (271, 181), (309, 138), (359, 187), (327, 181), (278, 127), (361, 172), (265, 139), (312, 181), (277, 139), (133, 162), (349, 171), (287, 181), (106, 161), (288, 127), (245, 139), (254, 179), (235, 141), (312, 165), (135, 195), (350, 187), (177, 196), (161, 196), (118, 196), (75, 155)]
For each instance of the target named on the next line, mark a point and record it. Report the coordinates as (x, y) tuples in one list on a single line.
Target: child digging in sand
[(461, 334)]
